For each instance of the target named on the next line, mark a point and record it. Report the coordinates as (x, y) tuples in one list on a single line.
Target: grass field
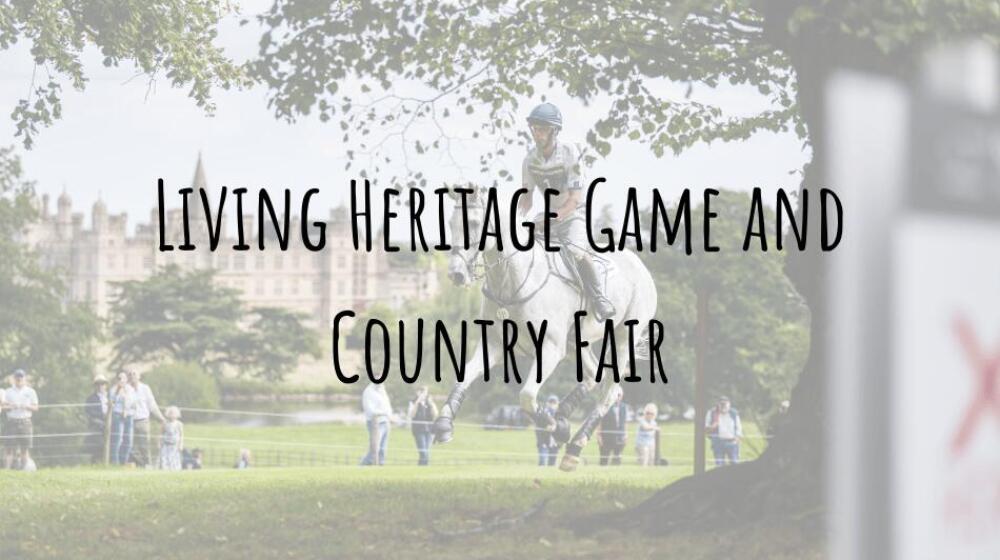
[(348, 512), (334, 509)]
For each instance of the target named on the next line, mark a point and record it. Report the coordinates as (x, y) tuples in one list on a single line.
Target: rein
[(515, 299)]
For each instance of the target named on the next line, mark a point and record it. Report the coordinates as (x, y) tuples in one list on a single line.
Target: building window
[(258, 262), (296, 261), (341, 261), (279, 262), (223, 261), (260, 288), (278, 287), (239, 262), (295, 287), (316, 286), (111, 262)]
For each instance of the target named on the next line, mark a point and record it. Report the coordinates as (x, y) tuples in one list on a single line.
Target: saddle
[(562, 266)]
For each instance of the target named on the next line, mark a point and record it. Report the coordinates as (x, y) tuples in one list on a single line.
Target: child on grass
[(171, 440)]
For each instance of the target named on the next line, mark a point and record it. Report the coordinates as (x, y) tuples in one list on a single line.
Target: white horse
[(532, 286)]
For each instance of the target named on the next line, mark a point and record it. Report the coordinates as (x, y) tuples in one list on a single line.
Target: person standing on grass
[(548, 447), (244, 461), (19, 402), (378, 412), (422, 412), (645, 439), (612, 436), (96, 410), (171, 440), (725, 430), (122, 398), (145, 405)]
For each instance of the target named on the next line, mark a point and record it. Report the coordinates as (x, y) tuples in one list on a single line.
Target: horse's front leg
[(444, 426), (575, 397), (571, 458), (552, 354)]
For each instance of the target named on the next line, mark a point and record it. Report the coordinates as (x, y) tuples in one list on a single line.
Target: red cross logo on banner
[(986, 398)]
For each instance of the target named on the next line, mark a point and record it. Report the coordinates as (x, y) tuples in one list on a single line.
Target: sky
[(119, 135)]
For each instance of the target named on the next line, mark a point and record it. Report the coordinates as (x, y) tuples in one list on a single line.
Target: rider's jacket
[(560, 172)]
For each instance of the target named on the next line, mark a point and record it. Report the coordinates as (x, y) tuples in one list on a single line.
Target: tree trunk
[(789, 478)]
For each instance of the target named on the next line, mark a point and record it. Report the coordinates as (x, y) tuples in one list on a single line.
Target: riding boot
[(444, 426), (594, 288), (570, 403)]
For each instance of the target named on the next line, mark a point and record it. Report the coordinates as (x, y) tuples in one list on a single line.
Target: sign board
[(913, 343)]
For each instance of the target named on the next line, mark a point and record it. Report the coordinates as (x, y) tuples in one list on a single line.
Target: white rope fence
[(312, 453)]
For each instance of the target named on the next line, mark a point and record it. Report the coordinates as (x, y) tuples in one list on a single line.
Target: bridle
[(480, 268)]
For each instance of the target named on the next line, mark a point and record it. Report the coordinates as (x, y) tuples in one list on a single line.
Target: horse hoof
[(569, 463), (443, 430), (562, 432), (443, 438)]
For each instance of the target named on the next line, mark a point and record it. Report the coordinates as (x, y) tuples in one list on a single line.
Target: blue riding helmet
[(546, 113)]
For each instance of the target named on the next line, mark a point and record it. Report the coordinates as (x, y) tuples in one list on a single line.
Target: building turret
[(64, 218), (199, 182), (99, 214)]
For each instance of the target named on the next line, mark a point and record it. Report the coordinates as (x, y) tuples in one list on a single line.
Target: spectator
[(171, 440), (422, 412), (191, 460), (612, 435), (725, 430), (123, 403), (244, 461), (96, 410), (548, 447), (19, 401), (145, 405), (378, 410), (645, 438)]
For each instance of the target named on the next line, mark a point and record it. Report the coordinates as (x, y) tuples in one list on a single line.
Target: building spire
[(199, 181)]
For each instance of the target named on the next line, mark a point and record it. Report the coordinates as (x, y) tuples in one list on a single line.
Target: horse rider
[(552, 164)]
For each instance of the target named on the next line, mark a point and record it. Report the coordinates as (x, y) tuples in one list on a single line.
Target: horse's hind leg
[(574, 398), (444, 425), (551, 355), (571, 458)]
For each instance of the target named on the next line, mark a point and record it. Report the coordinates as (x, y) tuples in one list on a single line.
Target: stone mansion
[(317, 284)]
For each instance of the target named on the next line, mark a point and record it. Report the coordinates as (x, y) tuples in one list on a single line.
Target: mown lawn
[(347, 512)]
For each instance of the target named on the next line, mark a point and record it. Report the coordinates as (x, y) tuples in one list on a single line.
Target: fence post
[(107, 433)]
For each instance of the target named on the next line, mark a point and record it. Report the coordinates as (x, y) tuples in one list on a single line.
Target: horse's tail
[(642, 345)]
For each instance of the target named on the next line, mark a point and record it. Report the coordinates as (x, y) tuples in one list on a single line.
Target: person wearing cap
[(552, 164), (19, 402), (548, 447), (145, 406), (96, 409), (725, 430)]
